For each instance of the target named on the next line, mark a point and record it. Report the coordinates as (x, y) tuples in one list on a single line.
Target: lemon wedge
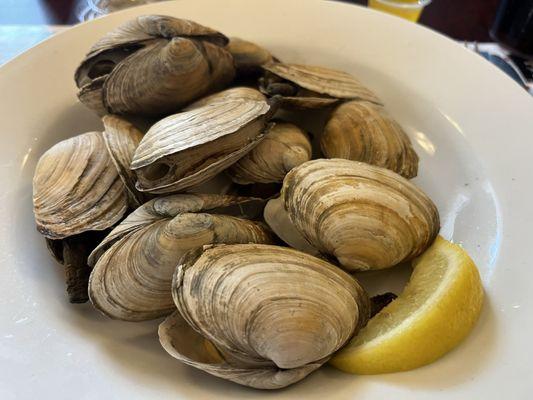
[(437, 309)]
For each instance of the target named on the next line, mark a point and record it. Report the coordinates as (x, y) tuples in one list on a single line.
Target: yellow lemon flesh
[(437, 309)]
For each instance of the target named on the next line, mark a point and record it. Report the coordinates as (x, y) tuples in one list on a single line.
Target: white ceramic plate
[(471, 125)]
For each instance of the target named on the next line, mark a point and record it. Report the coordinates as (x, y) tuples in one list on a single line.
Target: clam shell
[(236, 93), (363, 131), (147, 27), (91, 95), (133, 265), (153, 65), (278, 220), (121, 139), (189, 148), (285, 147), (316, 87), (367, 217), (188, 346), (137, 86), (248, 56), (267, 316), (76, 188)]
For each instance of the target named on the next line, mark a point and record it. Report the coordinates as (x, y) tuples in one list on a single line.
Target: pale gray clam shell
[(121, 139), (363, 131), (285, 147), (235, 93), (153, 65), (260, 315), (189, 148), (366, 216), (319, 86), (133, 265), (76, 188)]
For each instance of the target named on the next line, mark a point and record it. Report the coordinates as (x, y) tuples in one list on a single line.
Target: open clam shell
[(368, 217), (307, 86), (153, 65), (259, 315), (133, 265), (189, 148), (363, 131)]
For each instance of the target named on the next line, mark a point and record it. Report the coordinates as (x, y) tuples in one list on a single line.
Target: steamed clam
[(364, 131), (306, 86), (285, 147), (153, 64), (121, 139), (77, 190), (133, 265), (367, 217), (236, 93), (189, 148), (171, 223), (259, 315)]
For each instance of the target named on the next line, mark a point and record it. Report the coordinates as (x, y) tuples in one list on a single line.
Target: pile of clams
[(225, 216)]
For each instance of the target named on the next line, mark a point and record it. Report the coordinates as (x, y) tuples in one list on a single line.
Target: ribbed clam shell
[(236, 93), (189, 148), (363, 131), (248, 56), (133, 265), (273, 313), (146, 27), (285, 147), (121, 139), (166, 75), (153, 65), (188, 346), (367, 217), (325, 85), (76, 188)]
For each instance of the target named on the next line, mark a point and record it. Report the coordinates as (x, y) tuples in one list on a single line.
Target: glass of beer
[(408, 9)]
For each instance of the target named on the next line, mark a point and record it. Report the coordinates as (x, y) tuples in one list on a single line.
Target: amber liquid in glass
[(409, 13)]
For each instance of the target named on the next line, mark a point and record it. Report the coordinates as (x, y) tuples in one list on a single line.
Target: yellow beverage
[(408, 9)]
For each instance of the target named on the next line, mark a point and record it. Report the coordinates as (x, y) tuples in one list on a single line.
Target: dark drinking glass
[(513, 26)]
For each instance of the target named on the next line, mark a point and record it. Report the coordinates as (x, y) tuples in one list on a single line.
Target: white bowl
[(470, 124)]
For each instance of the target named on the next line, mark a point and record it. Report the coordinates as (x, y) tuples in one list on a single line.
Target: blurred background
[(461, 19)]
